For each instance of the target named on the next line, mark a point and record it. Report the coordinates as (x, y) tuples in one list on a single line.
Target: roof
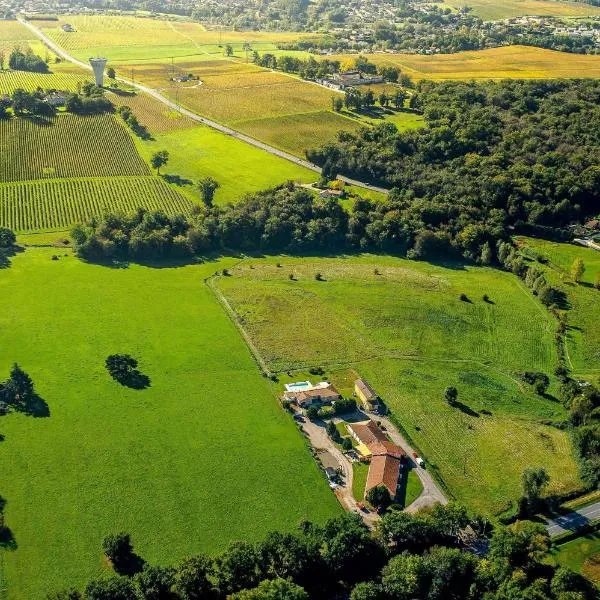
[(367, 391), (322, 393), (368, 433), (389, 448), (384, 470)]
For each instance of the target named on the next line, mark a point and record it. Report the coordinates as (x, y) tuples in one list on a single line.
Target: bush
[(312, 412), (326, 412)]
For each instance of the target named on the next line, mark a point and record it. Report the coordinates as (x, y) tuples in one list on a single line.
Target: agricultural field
[(126, 38), (406, 330), (491, 10), (67, 146), (12, 80), (514, 62), (583, 337), (58, 204), (164, 463)]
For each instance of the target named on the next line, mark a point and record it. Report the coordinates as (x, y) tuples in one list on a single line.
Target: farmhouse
[(367, 395), (352, 78), (385, 456), (305, 394), (68, 28)]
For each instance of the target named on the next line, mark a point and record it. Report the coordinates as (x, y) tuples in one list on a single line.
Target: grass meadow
[(582, 555), (491, 10), (583, 336), (164, 463), (406, 330), (512, 62)]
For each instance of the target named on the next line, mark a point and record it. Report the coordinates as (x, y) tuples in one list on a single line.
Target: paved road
[(173, 106), (431, 493), (574, 520)]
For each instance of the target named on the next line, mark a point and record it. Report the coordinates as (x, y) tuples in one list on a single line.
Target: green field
[(238, 167), (406, 330), (492, 9), (583, 336), (203, 456), (582, 555)]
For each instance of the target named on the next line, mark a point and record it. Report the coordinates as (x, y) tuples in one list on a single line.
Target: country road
[(174, 106), (574, 520)]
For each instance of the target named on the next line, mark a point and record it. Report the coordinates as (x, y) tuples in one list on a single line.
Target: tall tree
[(159, 159), (208, 186), (577, 269)]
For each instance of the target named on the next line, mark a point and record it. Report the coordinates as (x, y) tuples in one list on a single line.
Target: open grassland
[(134, 38), (67, 146), (514, 62), (238, 167), (583, 315), (491, 10), (59, 204), (406, 330), (203, 456)]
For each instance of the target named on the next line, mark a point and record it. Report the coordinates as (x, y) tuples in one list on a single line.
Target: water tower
[(98, 65)]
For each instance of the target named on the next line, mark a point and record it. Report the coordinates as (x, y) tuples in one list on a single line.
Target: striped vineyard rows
[(67, 146), (46, 205), (12, 80)]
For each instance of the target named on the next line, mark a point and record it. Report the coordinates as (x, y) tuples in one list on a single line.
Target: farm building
[(352, 78), (68, 28), (367, 395), (385, 456), (304, 394), (330, 465)]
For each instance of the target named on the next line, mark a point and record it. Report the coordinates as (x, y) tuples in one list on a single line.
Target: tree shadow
[(130, 565), (7, 253), (35, 407), (7, 539), (177, 180), (135, 380), (465, 409)]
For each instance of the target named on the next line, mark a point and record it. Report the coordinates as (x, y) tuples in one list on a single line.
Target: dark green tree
[(379, 497), (159, 159)]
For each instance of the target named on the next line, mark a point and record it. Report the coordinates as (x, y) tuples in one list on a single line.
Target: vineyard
[(67, 146), (152, 114), (42, 205), (12, 80)]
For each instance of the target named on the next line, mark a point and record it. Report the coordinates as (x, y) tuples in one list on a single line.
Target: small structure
[(98, 65), (56, 99), (367, 395), (330, 465), (352, 78), (305, 394), (68, 28)]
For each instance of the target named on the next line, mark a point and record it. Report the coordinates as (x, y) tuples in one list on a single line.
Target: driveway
[(573, 521), (174, 106), (320, 441)]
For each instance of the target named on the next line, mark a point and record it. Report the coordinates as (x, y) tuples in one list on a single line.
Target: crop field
[(409, 334), (12, 80), (491, 10), (124, 38), (152, 114), (13, 31), (182, 465), (238, 167), (67, 146), (513, 62), (59, 204), (583, 338)]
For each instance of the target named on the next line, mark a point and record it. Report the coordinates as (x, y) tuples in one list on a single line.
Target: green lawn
[(203, 456), (407, 332), (359, 481), (411, 487), (582, 555), (238, 167), (583, 338)]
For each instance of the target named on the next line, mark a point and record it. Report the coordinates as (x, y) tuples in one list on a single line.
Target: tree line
[(408, 557), (491, 157), (27, 61)]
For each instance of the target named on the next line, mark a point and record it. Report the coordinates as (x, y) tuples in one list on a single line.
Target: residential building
[(367, 395), (305, 394)]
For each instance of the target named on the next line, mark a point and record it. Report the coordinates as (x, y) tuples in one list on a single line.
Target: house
[(385, 456), (367, 433), (305, 394), (68, 28), (56, 99), (367, 395), (384, 470), (331, 193), (351, 78), (330, 465)]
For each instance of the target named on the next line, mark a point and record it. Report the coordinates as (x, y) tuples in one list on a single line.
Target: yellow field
[(492, 9), (513, 62), (12, 80), (11, 31)]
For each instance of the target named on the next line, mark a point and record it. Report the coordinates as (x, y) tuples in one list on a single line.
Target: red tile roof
[(384, 470), (386, 447), (368, 433)]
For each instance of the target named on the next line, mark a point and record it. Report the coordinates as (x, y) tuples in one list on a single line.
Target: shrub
[(344, 405), (312, 412), (326, 412)]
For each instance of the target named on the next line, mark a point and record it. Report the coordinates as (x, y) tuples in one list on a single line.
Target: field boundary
[(262, 364)]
